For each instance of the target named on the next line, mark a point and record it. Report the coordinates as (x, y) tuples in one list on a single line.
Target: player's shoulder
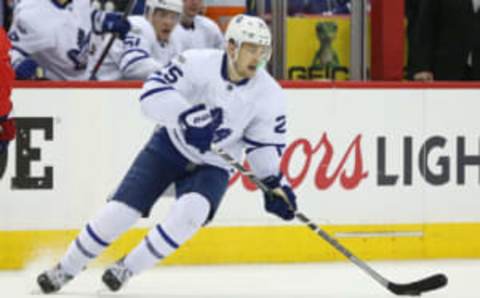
[(34, 16), (28, 4), (206, 22), (264, 81), (269, 91), (200, 64), (84, 6), (205, 57)]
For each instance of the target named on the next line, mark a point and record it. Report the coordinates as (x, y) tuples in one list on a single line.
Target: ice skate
[(116, 276), (53, 280)]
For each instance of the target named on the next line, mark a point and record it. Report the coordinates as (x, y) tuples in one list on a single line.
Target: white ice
[(319, 280)]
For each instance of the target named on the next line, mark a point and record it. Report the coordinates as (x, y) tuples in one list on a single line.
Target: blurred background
[(336, 39)]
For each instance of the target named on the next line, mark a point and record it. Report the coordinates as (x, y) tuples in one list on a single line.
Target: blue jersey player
[(203, 97)]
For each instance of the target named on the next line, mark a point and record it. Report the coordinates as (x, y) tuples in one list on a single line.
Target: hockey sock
[(106, 226), (185, 218)]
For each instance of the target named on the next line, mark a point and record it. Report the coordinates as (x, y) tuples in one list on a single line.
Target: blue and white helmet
[(244, 28)]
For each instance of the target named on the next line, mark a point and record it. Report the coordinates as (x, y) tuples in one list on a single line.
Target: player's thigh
[(209, 181), (154, 169)]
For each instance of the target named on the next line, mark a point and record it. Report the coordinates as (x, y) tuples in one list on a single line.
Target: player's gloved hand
[(114, 22), (26, 69), (198, 125), (7, 132), (281, 201)]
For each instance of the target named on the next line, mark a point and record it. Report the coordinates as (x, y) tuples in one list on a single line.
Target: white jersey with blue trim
[(134, 58), (204, 34), (56, 37), (253, 109)]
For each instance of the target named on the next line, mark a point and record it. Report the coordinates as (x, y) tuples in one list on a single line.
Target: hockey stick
[(99, 63), (415, 288)]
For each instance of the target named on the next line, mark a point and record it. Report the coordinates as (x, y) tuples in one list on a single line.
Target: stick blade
[(418, 287)]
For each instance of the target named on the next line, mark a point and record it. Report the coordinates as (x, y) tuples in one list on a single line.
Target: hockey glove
[(114, 23), (7, 133), (281, 200), (26, 69), (198, 126)]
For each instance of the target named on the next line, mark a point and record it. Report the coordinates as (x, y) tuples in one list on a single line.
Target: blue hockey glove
[(281, 201), (110, 22), (198, 126), (26, 69), (114, 23)]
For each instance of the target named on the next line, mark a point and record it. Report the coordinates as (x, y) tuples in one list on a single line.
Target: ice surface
[(320, 280)]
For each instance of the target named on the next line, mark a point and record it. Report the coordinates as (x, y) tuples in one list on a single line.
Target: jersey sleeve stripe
[(261, 144), (153, 91), (21, 51), (156, 79), (253, 145), (145, 53), (133, 61)]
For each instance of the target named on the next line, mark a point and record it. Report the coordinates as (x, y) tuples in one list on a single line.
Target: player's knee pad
[(187, 216), (114, 219)]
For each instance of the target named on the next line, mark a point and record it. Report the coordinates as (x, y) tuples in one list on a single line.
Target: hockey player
[(7, 125), (146, 48), (196, 31), (54, 35), (203, 97)]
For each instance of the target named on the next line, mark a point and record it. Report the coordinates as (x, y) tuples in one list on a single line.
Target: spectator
[(446, 45), (294, 7), (327, 7), (54, 35), (147, 47), (300, 7), (196, 31)]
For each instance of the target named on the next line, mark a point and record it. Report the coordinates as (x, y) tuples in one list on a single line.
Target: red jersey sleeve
[(6, 74)]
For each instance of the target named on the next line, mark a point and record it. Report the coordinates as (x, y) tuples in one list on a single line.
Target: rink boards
[(392, 170)]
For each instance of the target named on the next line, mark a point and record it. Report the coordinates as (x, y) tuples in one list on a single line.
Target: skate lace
[(121, 272), (58, 276)]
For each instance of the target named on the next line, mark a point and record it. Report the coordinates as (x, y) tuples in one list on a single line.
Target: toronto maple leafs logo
[(79, 56)]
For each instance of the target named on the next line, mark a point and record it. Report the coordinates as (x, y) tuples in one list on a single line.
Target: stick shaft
[(104, 54), (304, 219)]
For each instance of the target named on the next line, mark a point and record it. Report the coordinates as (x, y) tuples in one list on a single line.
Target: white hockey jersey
[(134, 58), (205, 34), (56, 37), (253, 110)]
